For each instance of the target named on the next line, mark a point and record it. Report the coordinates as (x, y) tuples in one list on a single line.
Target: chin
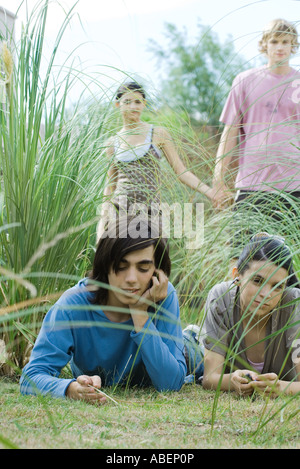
[(127, 300)]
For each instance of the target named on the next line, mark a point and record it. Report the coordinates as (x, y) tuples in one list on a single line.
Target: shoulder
[(171, 300), (171, 289), (221, 300), (291, 300), (294, 72), (294, 78), (224, 293), (110, 145), (77, 295), (249, 74), (172, 293), (161, 135)]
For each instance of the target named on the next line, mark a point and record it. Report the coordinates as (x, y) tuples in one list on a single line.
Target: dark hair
[(117, 241), (269, 248), (130, 86)]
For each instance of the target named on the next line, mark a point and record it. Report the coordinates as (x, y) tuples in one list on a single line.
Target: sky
[(107, 38)]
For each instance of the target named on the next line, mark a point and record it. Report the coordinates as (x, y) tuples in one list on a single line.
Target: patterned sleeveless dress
[(138, 174)]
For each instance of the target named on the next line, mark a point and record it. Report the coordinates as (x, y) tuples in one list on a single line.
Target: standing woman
[(252, 324), (135, 153)]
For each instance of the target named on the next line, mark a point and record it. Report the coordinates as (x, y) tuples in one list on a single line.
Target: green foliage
[(199, 75)]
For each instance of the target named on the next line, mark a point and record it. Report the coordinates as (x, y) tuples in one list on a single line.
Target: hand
[(81, 390), (268, 383), (157, 291), (242, 384), (221, 197)]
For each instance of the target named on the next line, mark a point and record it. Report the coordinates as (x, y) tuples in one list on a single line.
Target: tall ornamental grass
[(51, 180)]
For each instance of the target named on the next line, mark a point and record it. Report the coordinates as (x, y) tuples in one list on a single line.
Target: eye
[(258, 280), (144, 269)]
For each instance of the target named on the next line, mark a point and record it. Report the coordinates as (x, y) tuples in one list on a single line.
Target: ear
[(235, 273)]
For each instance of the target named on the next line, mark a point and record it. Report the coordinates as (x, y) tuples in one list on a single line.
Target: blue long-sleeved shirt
[(77, 331)]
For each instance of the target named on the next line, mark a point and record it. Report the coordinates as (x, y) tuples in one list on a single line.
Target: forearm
[(139, 318), (110, 186), (215, 381), (163, 360), (289, 388), (34, 382), (225, 153), (190, 180), (187, 177)]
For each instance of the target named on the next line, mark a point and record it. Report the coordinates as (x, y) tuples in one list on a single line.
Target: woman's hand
[(82, 389), (242, 382), (268, 383)]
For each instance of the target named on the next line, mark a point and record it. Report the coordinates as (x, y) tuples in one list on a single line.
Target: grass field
[(145, 419)]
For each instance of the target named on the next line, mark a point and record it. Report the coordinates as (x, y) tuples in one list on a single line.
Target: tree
[(199, 76)]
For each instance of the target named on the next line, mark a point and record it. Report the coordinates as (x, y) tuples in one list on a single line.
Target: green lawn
[(145, 419)]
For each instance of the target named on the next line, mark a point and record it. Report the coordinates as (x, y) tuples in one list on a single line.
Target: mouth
[(131, 291), (261, 304)]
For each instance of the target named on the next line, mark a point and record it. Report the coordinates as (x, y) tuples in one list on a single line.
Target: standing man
[(262, 134)]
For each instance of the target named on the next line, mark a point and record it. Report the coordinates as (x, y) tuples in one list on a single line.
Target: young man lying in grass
[(120, 325)]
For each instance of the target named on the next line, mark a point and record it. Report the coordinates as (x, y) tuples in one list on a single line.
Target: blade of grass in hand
[(102, 392)]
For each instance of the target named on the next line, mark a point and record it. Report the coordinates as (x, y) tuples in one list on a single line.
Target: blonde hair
[(278, 27)]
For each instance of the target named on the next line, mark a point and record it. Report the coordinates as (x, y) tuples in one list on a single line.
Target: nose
[(281, 45), (265, 292), (131, 276)]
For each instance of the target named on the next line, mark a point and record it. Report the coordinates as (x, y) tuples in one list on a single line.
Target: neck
[(133, 127), (112, 312), (258, 323), (114, 316), (279, 69)]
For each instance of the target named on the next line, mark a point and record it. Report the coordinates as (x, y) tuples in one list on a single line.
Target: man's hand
[(81, 390), (157, 291)]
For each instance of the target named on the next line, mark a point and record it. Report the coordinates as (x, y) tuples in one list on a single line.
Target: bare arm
[(237, 381), (110, 186), (213, 378), (164, 141), (112, 171), (228, 142), (109, 189), (270, 384)]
